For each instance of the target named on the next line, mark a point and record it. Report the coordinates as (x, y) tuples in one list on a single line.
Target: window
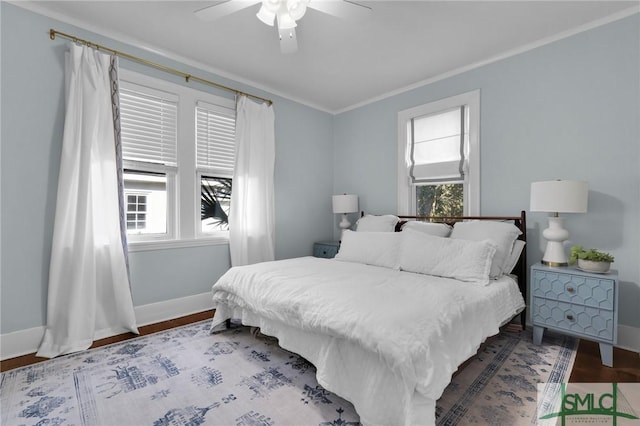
[(149, 133), (178, 148), (215, 159), (136, 212), (216, 199), (438, 152), (439, 199), (146, 197)]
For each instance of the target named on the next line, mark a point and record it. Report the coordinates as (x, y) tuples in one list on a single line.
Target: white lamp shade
[(346, 203), (559, 196)]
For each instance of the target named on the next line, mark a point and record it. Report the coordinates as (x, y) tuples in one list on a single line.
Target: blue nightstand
[(576, 302), (326, 249)]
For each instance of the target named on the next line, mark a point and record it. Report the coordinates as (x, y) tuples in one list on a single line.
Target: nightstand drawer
[(326, 249), (577, 319), (593, 291)]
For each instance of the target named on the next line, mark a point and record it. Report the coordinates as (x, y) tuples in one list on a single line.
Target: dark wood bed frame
[(520, 221), (520, 269)]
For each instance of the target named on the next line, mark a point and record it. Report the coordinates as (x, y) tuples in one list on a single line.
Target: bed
[(388, 321)]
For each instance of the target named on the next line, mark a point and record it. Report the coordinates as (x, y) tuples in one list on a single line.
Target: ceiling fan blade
[(288, 42), (345, 9), (217, 11)]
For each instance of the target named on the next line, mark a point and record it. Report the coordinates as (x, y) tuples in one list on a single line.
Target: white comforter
[(414, 329)]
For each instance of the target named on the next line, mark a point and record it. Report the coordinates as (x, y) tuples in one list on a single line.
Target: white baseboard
[(174, 308), (20, 342), (629, 338), (25, 342)]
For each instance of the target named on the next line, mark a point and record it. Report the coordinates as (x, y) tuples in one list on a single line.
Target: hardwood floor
[(20, 361), (586, 369)]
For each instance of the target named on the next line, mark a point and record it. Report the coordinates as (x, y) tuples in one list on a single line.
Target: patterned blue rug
[(186, 376), (499, 385)]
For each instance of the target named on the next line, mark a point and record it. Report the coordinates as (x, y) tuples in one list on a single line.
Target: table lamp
[(558, 196), (345, 203)]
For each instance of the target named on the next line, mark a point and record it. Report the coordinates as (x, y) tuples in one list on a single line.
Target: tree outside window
[(215, 202), (440, 200)]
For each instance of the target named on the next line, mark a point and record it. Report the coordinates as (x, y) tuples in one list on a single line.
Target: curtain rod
[(187, 77)]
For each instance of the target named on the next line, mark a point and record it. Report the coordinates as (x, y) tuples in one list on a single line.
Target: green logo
[(612, 404)]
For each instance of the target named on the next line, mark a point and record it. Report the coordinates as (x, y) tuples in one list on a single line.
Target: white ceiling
[(339, 63)]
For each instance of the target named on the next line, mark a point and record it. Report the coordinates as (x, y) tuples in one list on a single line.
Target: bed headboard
[(520, 221)]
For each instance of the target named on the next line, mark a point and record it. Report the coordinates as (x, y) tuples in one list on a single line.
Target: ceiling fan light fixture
[(297, 8), (285, 21), (271, 5), (266, 16)]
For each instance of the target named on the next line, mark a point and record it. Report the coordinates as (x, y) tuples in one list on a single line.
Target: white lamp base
[(344, 223), (555, 234)]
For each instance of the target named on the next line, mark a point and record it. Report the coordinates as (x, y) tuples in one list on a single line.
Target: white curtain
[(88, 278), (251, 218)]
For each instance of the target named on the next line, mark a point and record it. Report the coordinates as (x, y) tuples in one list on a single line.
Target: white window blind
[(148, 120), (438, 146), (215, 138)]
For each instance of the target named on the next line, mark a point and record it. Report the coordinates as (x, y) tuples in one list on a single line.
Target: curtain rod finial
[(52, 34)]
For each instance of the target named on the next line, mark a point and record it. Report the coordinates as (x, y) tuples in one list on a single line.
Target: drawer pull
[(570, 317), (571, 289)]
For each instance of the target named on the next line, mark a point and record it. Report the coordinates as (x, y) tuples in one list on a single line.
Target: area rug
[(499, 385), (187, 376)]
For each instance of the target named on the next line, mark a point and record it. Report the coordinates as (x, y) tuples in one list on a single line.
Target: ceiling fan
[(285, 13)]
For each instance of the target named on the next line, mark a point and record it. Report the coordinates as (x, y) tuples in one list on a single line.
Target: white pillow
[(371, 248), (502, 234), (513, 257), (436, 229), (463, 260), (371, 223)]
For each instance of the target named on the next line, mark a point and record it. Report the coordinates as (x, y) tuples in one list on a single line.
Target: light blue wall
[(32, 122), (569, 110), (565, 110)]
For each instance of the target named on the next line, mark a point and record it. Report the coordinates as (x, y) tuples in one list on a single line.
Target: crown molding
[(513, 52)]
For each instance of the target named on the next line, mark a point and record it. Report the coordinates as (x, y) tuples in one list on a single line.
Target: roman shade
[(437, 146)]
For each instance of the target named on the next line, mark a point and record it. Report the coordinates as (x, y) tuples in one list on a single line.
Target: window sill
[(136, 246)]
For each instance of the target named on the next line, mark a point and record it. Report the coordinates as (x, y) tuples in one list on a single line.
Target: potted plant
[(590, 260)]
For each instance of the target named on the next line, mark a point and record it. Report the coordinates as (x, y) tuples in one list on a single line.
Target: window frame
[(471, 184), (183, 183), (140, 83), (170, 174), (209, 171)]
